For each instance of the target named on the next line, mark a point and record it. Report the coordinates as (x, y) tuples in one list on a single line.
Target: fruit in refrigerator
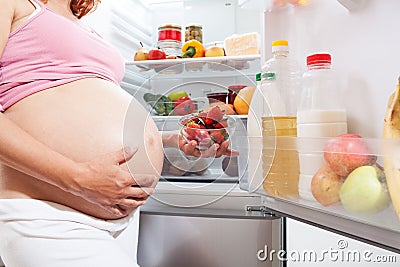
[(177, 94), (363, 191), (391, 129), (141, 53), (215, 113), (227, 109), (156, 54), (347, 152), (215, 51), (206, 130), (183, 106), (325, 186), (243, 99)]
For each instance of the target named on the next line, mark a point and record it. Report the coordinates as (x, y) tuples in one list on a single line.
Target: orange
[(243, 99)]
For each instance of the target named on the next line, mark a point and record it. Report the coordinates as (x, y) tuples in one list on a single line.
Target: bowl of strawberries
[(207, 127)]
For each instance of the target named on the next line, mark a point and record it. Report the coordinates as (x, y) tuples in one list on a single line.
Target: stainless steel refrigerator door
[(207, 239)]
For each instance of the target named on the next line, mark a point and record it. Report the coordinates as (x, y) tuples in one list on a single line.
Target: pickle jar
[(194, 32)]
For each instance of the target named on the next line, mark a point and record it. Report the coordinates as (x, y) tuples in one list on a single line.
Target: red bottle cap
[(232, 87), (317, 59)]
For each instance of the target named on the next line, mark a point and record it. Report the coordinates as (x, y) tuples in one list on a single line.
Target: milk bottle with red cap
[(321, 113)]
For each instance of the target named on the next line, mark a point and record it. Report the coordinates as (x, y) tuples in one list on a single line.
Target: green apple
[(363, 192)]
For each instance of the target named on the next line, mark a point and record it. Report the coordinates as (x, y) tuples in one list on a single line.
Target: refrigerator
[(213, 219)]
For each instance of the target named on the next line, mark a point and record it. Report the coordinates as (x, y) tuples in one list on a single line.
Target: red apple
[(347, 152), (155, 54)]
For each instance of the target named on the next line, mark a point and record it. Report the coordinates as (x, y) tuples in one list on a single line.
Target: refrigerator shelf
[(363, 198), (196, 65)]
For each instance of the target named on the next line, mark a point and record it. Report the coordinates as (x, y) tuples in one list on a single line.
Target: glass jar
[(171, 48), (170, 39), (169, 32), (194, 32)]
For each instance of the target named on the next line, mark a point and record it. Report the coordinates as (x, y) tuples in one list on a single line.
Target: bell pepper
[(193, 48), (183, 106)]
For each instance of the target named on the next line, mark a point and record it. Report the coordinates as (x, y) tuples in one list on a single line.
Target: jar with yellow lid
[(194, 32)]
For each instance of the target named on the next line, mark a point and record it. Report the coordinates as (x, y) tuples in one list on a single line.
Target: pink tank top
[(49, 50)]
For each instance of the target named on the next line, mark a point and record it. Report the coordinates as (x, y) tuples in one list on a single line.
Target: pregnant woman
[(61, 103)]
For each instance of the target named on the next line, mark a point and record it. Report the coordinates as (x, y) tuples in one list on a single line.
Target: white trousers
[(35, 233)]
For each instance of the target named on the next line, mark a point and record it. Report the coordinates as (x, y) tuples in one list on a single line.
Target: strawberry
[(185, 121), (209, 122), (191, 129), (215, 113), (221, 124), (217, 136), (202, 116)]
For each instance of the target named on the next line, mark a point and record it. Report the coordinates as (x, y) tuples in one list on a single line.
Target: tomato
[(183, 105), (156, 54)]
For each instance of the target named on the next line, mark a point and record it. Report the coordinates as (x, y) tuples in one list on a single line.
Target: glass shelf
[(225, 66)]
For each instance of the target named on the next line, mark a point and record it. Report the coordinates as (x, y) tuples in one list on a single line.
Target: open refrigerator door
[(310, 26)]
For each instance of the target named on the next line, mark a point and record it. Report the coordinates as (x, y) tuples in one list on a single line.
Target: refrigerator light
[(351, 5)]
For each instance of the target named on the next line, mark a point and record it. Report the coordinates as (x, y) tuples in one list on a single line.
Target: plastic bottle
[(288, 74), (321, 113), (279, 155), (254, 134)]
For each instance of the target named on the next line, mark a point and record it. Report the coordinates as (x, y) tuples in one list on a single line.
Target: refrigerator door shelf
[(353, 213)]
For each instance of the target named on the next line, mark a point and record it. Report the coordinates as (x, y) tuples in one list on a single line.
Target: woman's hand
[(105, 182), (174, 139)]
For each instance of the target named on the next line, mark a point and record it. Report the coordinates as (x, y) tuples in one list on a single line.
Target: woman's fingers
[(144, 180), (224, 150), (123, 155)]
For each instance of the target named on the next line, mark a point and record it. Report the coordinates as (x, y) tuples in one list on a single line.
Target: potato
[(325, 186)]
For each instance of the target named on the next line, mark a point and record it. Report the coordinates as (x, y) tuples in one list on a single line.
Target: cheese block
[(245, 44)]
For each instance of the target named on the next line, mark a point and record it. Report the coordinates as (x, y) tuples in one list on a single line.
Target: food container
[(171, 48), (218, 132), (176, 163), (170, 32), (233, 90), (217, 97), (194, 31), (170, 39)]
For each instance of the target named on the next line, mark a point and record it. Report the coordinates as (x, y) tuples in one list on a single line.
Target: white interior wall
[(363, 45)]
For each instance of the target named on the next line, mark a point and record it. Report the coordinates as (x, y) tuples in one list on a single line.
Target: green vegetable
[(157, 103), (169, 106), (159, 108)]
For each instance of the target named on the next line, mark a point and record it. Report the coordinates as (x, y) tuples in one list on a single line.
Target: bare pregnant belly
[(82, 120)]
